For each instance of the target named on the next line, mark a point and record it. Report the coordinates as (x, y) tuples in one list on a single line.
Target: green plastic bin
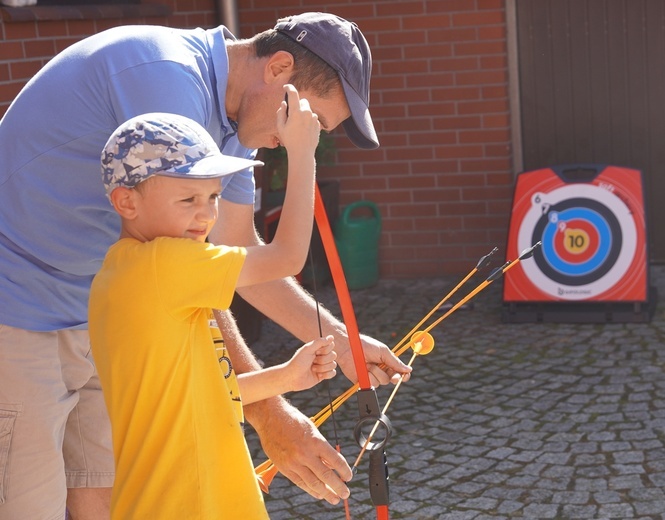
[(357, 233)]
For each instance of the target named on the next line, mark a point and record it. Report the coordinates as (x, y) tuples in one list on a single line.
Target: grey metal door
[(592, 90)]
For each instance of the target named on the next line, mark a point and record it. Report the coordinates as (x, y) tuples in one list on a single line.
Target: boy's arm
[(287, 436), (286, 254), (311, 364)]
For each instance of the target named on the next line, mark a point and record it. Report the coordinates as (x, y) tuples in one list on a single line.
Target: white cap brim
[(217, 165)]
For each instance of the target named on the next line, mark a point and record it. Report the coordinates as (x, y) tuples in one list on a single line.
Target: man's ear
[(124, 202), (280, 65)]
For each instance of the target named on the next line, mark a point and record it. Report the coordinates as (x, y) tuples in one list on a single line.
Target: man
[(56, 226)]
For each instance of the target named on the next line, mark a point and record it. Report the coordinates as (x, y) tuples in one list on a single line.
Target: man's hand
[(300, 452), (384, 367)]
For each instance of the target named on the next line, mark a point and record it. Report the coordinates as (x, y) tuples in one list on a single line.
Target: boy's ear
[(123, 200), (279, 64)]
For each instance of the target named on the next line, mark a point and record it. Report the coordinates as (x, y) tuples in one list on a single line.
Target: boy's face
[(171, 207)]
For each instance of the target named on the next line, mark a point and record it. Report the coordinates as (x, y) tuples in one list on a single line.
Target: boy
[(178, 444)]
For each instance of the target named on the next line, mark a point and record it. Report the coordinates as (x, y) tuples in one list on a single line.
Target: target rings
[(588, 239)]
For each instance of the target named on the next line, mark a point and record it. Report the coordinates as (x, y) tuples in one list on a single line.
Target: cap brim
[(217, 165), (359, 126)]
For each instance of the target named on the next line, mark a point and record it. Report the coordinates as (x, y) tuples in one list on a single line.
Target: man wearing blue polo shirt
[(56, 225)]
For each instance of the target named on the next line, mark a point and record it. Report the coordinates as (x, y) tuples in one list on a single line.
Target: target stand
[(593, 263)]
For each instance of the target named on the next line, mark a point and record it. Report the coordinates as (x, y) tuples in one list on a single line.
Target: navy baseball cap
[(341, 45), (164, 144)]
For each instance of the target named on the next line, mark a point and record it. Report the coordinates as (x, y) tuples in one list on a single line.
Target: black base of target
[(581, 312)]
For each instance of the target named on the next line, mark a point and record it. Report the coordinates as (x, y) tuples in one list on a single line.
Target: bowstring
[(327, 381), (318, 321)]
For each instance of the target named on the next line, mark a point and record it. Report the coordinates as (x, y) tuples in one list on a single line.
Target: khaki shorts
[(54, 429)]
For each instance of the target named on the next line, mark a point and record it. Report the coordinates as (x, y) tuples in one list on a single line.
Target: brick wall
[(25, 46), (442, 177)]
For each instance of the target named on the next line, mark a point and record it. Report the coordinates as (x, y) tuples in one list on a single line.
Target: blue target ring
[(607, 249), (603, 247)]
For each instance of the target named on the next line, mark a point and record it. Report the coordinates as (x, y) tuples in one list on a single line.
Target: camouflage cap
[(164, 144)]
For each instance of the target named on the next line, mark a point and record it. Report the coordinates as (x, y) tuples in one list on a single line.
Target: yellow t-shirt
[(178, 445)]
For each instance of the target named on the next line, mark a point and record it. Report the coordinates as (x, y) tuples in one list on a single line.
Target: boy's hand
[(312, 363), (298, 126)]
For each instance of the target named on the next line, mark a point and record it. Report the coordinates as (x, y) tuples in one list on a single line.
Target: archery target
[(593, 240)]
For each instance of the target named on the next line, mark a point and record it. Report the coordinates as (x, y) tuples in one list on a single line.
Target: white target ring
[(542, 214)]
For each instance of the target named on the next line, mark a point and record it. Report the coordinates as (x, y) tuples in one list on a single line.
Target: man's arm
[(288, 304)]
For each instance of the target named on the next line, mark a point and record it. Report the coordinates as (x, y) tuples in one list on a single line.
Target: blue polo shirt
[(55, 222)]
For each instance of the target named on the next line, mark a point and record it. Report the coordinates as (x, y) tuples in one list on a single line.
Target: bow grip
[(378, 477)]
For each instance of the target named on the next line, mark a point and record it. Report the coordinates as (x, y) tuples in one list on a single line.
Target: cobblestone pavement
[(532, 421)]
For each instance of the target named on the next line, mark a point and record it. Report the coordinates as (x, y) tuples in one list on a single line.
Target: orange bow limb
[(265, 473)]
